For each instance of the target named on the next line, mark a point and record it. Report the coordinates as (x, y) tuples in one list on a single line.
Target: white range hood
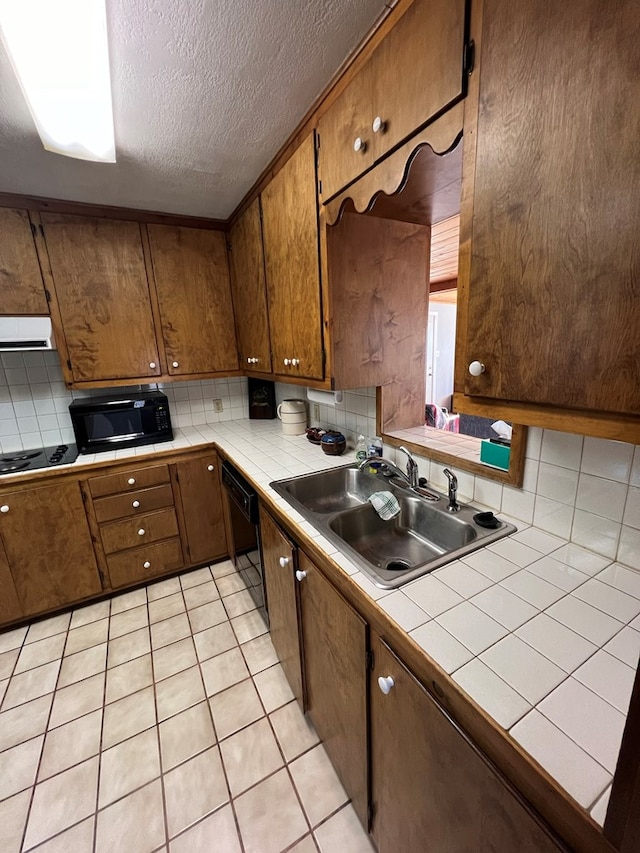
[(25, 333)]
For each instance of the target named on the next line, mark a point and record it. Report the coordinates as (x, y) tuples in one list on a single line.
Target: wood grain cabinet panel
[(335, 647), (201, 501), (141, 564), (128, 481), (249, 291), (553, 292), (191, 275), (290, 228), (432, 789), (21, 285), (102, 294), (48, 547), (133, 504), (10, 607), (132, 532)]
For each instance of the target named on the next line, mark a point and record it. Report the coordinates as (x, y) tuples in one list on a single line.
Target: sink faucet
[(453, 506), (411, 477), (412, 468)]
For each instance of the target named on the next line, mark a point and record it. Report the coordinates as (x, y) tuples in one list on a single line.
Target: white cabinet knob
[(253, 360), (146, 564), (295, 362), (141, 531), (210, 468), (174, 364), (300, 576), (476, 368), (152, 365), (359, 145), (378, 125), (4, 508), (135, 504), (385, 683), (284, 561), (287, 362), (131, 481)]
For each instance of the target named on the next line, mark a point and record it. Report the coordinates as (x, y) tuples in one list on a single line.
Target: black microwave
[(128, 420)]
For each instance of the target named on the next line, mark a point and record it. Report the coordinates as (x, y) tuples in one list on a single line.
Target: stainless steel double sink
[(422, 537)]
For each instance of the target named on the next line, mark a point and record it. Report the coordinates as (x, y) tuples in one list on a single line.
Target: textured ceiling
[(205, 93)]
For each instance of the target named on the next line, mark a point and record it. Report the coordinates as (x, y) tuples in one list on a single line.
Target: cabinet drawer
[(138, 564), (129, 481), (121, 535), (134, 504)]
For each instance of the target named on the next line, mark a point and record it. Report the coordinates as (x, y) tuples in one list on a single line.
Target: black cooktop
[(43, 457)]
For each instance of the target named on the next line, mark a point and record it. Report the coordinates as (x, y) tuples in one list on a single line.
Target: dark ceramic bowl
[(333, 443), (314, 434)]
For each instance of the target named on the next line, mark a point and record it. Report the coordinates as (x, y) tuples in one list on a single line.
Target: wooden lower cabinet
[(48, 547), (136, 565), (279, 567), (335, 654), (432, 789), (201, 501)]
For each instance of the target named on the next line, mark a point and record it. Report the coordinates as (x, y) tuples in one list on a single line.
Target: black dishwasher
[(245, 547)]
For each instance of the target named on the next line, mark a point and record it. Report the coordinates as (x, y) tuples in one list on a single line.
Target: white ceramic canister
[(293, 414)]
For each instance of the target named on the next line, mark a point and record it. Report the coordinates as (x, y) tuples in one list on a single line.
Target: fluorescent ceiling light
[(59, 51)]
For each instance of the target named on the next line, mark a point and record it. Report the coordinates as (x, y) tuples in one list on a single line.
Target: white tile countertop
[(541, 633)]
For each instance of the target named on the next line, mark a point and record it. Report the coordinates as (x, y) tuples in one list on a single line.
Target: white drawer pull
[(284, 561), (476, 368), (300, 575), (210, 468), (175, 364), (359, 145), (152, 365), (146, 564), (131, 481), (135, 504), (4, 508), (385, 683), (141, 532)]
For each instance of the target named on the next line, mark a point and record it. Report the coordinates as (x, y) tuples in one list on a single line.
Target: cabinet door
[(194, 295), (335, 647), (102, 293), (290, 227), (201, 497), (21, 285), (48, 546), (553, 305), (10, 608), (249, 291), (432, 788), (279, 564)]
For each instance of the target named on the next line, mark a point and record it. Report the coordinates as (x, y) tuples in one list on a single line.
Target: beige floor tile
[(229, 584), (167, 606), (214, 641), (88, 635), (194, 578), (250, 755), (48, 627), (77, 700), (127, 766), (317, 784), (78, 839), (128, 678), (223, 670), (249, 625), (216, 832), (8, 662), (307, 845), (343, 832), (194, 789), (135, 823), (70, 744), (91, 613), (128, 600), (219, 570), (185, 735), (24, 722), (207, 616), (259, 654), (163, 588), (83, 665), (3, 688), (130, 646), (270, 817), (235, 708), (178, 692), (62, 801), (169, 631), (18, 767), (13, 639), (294, 730), (128, 621), (31, 684), (238, 603), (204, 593), (173, 658), (40, 652), (13, 817), (273, 688), (128, 716)]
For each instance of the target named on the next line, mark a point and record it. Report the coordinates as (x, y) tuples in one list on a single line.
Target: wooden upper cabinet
[(21, 285), (415, 73), (249, 291), (290, 228), (554, 286), (201, 500), (191, 275), (102, 295)]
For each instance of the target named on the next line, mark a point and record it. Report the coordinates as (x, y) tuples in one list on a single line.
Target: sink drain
[(397, 566)]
